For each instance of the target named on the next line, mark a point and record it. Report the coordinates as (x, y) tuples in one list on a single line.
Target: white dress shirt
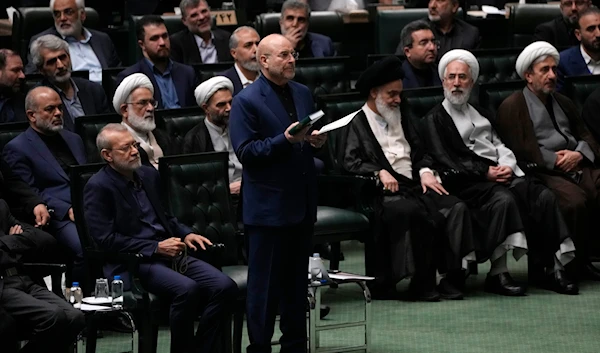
[(222, 143), (208, 51), (83, 57), (245, 82), (593, 66)]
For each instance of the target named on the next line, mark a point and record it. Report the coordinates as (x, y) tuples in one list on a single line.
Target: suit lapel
[(77, 152), (577, 61), (194, 51), (97, 48), (41, 148), (122, 187), (86, 100), (273, 103), (300, 111), (155, 201), (179, 83)]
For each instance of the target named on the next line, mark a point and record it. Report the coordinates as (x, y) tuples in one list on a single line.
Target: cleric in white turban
[(462, 55), (206, 89), (531, 53), (128, 85)]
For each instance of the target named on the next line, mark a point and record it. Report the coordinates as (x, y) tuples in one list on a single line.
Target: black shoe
[(503, 284), (448, 291), (324, 311), (559, 282), (590, 272), (457, 279), (423, 296)]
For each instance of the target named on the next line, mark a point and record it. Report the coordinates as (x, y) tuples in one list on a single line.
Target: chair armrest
[(44, 269)]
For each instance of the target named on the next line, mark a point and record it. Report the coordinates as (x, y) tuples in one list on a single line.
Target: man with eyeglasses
[(173, 82), (199, 43), (41, 156), (279, 201), (91, 50), (295, 15), (134, 100), (560, 32), (420, 50), (51, 56), (511, 210)]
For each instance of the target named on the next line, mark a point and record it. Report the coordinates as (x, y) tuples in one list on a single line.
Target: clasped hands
[(172, 247), (315, 140), (499, 174), (568, 161)]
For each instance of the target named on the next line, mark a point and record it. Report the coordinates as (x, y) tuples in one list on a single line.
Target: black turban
[(381, 72)]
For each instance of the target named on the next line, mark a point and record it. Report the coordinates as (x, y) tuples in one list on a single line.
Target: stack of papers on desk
[(345, 276)]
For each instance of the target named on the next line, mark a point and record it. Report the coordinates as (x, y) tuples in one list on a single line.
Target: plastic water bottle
[(117, 293), (316, 268), (76, 295)]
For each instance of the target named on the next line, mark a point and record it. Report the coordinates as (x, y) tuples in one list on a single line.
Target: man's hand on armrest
[(192, 238), (170, 247)]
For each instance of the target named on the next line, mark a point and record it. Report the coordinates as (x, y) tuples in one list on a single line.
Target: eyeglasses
[(68, 12), (144, 103), (126, 148), (285, 55)]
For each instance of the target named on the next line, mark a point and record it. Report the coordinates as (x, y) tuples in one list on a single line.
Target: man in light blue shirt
[(164, 80)]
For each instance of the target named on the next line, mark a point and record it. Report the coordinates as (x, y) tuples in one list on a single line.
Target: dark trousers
[(201, 290), (53, 323), (67, 236), (277, 282)]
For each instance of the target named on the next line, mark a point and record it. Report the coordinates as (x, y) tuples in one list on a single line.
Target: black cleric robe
[(412, 228), (533, 209)]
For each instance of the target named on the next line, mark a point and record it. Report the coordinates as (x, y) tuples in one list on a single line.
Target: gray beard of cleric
[(391, 115), (455, 99), (140, 123)]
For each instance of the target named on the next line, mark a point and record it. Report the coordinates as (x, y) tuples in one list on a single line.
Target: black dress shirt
[(148, 215), (285, 96), (60, 150)]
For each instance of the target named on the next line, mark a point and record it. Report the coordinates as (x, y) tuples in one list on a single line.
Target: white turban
[(128, 85), (206, 89), (531, 53), (459, 54)]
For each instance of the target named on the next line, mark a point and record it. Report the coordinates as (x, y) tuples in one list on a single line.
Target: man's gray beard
[(141, 124), (435, 18), (253, 66), (47, 127), (76, 28), (61, 79), (126, 167), (391, 115), (458, 100)]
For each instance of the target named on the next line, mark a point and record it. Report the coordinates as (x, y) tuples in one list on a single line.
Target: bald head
[(44, 110), (277, 58)]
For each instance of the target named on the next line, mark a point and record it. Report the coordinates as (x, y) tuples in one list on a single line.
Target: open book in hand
[(308, 121)]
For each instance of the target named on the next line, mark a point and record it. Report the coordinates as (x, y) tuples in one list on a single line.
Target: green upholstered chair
[(206, 71), (416, 103), (324, 75), (109, 80), (578, 88), (491, 95), (196, 187), (497, 65), (144, 306), (9, 131), (29, 21), (524, 18), (88, 127), (176, 123)]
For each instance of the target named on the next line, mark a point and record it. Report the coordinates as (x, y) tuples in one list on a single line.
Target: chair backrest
[(578, 88), (206, 71), (9, 131), (88, 127), (336, 106), (491, 95), (196, 189), (329, 23), (176, 123), (523, 19), (372, 58), (416, 103), (497, 65), (32, 20), (109, 80), (324, 75)]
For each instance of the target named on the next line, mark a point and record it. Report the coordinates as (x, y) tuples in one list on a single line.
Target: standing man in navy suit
[(583, 59), (295, 15), (280, 201), (174, 83), (242, 45), (41, 156), (124, 212)]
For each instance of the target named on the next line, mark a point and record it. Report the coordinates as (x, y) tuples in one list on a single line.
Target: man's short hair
[(79, 3), (4, 55), (48, 41), (186, 4), (233, 40), (154, 20), (101, 140), (406, 34), (592, 10), (295, 5)]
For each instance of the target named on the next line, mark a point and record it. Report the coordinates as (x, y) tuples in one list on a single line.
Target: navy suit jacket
[(231, 74), (184, 78), (100, 42), (112, 215), (571, 64), (410, 79), (31, 160), (184, 48), (279, 179), (321, 45)]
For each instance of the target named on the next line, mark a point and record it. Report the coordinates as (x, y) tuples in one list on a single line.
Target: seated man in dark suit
[(92, 50), (79, 96), (199, 43), (420, 49), (123, 209), (583, 59), (560, 32), (41, 156), (134, 101), (12, 100), (294, 26), (49, 321), (242, 45), (174, 83)]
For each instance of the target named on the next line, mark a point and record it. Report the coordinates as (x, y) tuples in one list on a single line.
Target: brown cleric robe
[(414, 232), (577, 194)]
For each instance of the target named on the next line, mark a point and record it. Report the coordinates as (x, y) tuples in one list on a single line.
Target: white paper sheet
[(338, 123)]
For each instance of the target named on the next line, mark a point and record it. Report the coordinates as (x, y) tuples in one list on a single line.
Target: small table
[(315, 327)]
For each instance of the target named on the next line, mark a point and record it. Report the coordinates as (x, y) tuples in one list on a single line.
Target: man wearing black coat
[(12, 100), (560, 32)]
